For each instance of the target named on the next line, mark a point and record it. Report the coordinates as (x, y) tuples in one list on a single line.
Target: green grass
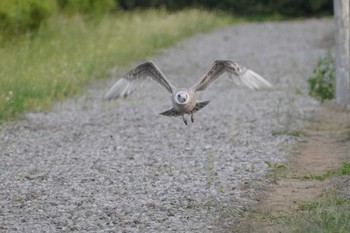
[(67, 52), (278, 170), (330, 213), (326, 214), (275, 166), (343, 170), (322, 82), (294, 133)]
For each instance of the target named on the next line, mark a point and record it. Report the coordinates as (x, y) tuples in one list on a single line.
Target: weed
[(276, 166), (278, 169), (210, 169), (308, 205), (329, 198), (343, 170), (210, 203), (322, 83), (298, 91), (326, 214)]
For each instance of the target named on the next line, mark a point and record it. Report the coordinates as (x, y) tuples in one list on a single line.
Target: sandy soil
[(325, 146)]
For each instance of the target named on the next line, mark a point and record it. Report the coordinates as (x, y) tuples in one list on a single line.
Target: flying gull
[(184, 99)]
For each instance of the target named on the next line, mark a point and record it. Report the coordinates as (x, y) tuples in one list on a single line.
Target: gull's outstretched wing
[(171, 113), (237, 73), (134, 78)]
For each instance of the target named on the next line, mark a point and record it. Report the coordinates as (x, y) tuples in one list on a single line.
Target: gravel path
[(90, 166)]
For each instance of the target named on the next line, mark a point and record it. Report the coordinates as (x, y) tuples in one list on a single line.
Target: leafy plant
[(18, 17), (275, 166), (322, 83)]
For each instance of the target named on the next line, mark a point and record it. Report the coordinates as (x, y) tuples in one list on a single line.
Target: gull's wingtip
[(258, 82), (119, 89), (107, 98)]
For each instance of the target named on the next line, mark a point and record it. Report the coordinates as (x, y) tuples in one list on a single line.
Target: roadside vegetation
[(328, 213), (322, 82), (62, 55), (343, 170), (314, 200)]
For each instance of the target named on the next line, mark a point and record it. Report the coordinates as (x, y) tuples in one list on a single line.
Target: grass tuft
[(343, 170), (322, 82), (330, 213)]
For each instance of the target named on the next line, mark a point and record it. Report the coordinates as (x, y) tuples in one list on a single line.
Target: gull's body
[(184, 99)]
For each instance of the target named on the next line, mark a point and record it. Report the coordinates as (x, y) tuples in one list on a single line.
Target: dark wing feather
[(199, 106), (171, 113), (237, 73), (132, 80)]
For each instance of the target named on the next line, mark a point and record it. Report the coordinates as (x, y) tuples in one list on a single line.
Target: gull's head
[(182, 97)]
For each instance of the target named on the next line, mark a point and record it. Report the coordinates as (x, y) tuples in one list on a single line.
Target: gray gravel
[(90, 166)]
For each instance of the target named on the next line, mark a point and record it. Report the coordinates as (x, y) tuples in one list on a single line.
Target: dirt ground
[(325, 146)]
